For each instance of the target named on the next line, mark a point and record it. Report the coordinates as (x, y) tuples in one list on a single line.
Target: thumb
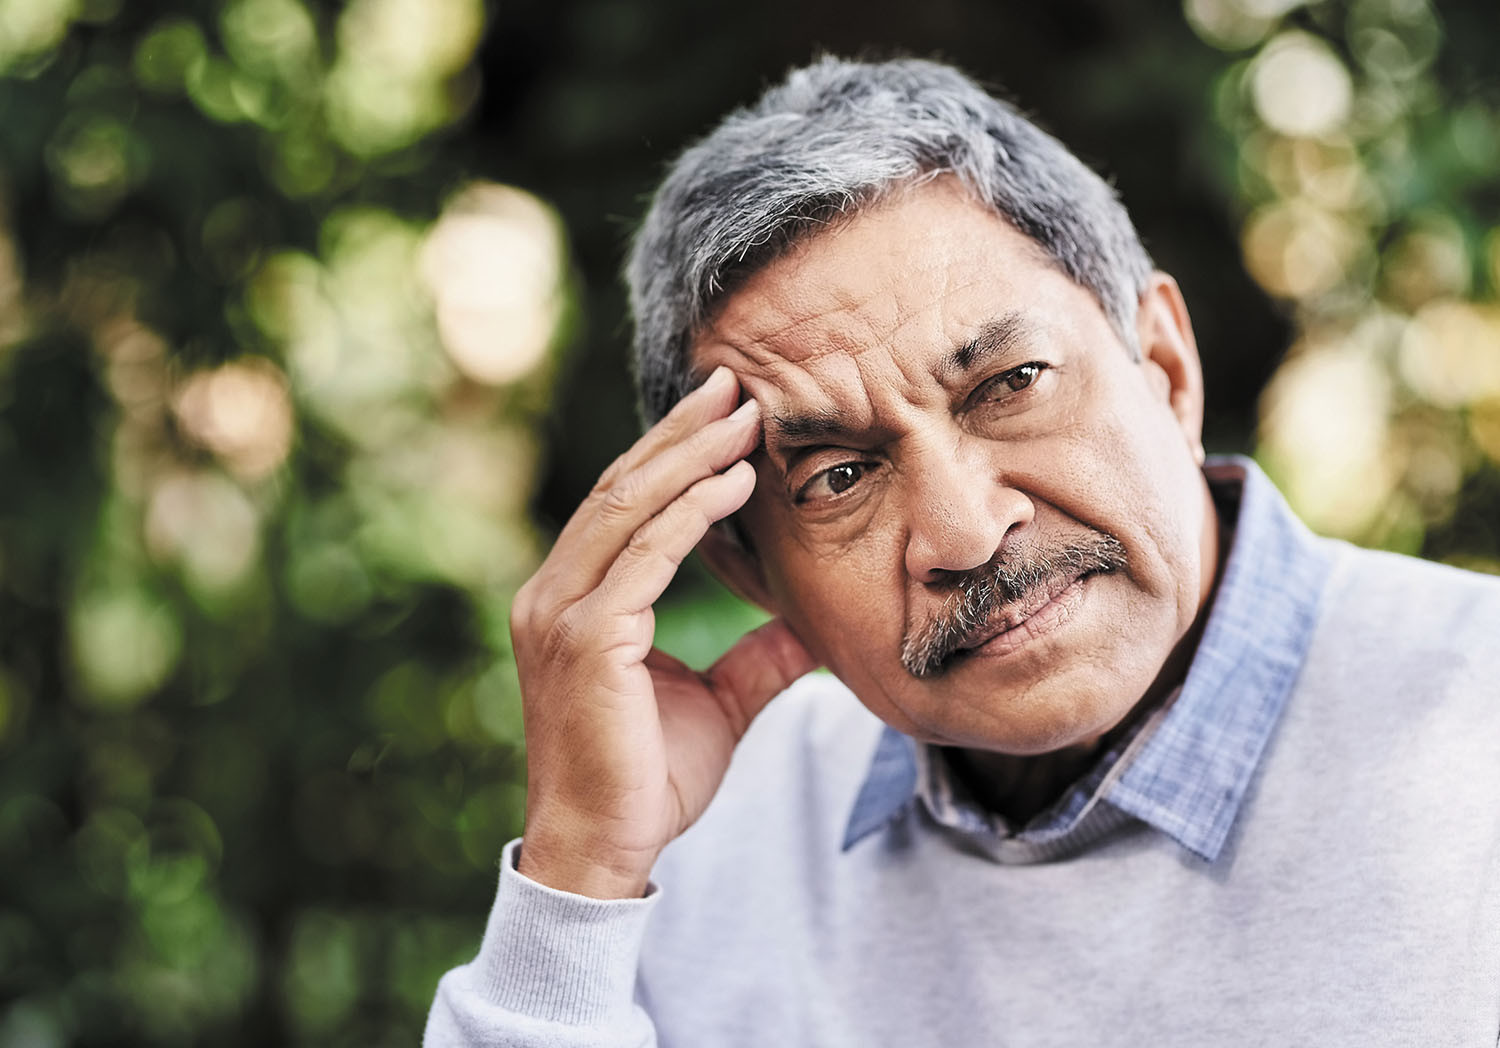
[(762, 664)]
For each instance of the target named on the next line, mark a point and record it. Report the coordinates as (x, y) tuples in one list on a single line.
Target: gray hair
[(838, 136)]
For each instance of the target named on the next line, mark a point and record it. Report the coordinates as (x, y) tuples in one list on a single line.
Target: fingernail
[(748, 409), (717, 378)]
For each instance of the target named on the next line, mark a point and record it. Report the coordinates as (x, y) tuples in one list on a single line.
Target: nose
[(959, 513)]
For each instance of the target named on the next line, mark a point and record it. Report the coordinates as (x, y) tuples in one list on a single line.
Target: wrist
[(568, 866)]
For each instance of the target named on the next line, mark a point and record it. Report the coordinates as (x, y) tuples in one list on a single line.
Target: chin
[(1025, 727)]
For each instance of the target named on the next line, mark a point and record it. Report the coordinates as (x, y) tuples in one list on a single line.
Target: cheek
[(1124, 467), (849, 612), (1160, 490), (844, 599)]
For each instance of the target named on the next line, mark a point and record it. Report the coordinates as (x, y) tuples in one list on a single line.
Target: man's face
[(972, 504)]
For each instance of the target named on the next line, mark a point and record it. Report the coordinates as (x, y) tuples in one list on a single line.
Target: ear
[(1169, 353), (735, 565)]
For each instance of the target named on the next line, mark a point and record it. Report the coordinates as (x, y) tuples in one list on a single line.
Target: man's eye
[(833, 481), (1013, 381)]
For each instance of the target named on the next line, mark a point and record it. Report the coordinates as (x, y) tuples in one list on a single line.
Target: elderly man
[(1113, 751)]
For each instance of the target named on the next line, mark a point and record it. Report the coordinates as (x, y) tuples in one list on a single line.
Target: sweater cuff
[(561, 957)]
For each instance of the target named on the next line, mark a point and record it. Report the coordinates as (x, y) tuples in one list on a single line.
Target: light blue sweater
[(1356, 900)]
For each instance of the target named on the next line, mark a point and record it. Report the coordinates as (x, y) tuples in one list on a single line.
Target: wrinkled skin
[(926, 398), (859, 535)]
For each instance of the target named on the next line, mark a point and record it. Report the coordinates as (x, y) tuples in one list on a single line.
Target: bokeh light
[(1429, 260), (1296, 249), (206, 524), (1300, 86), (1235, 24), (283, 501), (125, 643), (1450, 353), (29, 29), (241, 412), (493, 266), (1380, 420), (1325, 420), (392, 79)]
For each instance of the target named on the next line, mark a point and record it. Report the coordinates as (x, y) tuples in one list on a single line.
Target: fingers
[(761, 665), (651, 557), (625, 745), (610, 518), (714, 399)]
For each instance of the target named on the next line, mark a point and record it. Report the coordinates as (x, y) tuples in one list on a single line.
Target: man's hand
[(626, 745)]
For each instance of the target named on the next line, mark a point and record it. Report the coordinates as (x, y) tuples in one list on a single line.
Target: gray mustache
[(1011, 578)]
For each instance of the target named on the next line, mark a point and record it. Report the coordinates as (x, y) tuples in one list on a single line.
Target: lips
[(1019, 596), (1007, 617)]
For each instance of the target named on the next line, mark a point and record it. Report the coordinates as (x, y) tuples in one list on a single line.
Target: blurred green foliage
[(261, 741), (1367, 166), (295, 381)]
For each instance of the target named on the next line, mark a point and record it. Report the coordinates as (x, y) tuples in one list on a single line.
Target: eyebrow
[(996, 337), (808, 428)]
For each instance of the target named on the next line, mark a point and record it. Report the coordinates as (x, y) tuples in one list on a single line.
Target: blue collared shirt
[(1186, 767)]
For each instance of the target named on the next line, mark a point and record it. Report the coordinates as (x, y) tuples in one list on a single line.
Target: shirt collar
[(889, 787), (1193, 763)]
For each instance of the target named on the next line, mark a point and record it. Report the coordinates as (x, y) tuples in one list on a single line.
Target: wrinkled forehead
[(866, 278), (885, 299)]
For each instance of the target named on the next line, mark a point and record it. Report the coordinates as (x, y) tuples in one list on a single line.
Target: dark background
[(595, 103)]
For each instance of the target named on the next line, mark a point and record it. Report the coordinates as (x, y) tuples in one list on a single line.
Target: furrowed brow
[(996, 338), (814, 427)]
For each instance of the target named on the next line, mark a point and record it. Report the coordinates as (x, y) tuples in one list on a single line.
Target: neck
[(1020, 788)]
